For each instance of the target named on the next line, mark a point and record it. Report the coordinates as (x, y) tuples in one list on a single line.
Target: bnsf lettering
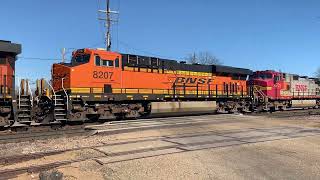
[(102, 75), (301, 87), (182, 80)]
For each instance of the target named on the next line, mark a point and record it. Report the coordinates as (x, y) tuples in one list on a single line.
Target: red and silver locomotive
[(276, 90)]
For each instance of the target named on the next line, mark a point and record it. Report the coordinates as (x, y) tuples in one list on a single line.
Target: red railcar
[(8, 53)]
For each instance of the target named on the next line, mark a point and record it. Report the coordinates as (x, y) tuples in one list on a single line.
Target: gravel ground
[(64, 143), (287, 159), (281, 159)]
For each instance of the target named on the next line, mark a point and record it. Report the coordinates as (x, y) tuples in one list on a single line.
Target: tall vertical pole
[(63, 54), (108, 22)]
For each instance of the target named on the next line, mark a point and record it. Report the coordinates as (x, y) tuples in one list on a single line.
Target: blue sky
[(256, 34)]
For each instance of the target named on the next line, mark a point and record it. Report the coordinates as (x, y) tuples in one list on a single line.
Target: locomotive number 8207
[(102, 75)]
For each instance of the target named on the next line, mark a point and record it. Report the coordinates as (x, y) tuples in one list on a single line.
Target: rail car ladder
[(24, 103), (24, 109)]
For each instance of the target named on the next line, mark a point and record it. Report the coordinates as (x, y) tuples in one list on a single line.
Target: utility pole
[(108, 22)]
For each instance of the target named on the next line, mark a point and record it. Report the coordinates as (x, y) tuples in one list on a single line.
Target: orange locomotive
[(103, 84)]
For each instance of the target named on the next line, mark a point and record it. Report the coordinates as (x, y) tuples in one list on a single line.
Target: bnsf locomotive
[(101, 85)]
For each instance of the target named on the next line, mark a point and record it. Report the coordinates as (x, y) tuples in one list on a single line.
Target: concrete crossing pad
[(126, 157), (198, 139), (247, 134), (136, 146), (211, 145)]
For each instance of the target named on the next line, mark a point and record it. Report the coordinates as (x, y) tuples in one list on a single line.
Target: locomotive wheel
[(221, 108), (78, 117), (283, 108), (56, 126), (233, 110), (133, 114), (260, 108), (246, 109), (272, 109), (146, 114), (20, 128)]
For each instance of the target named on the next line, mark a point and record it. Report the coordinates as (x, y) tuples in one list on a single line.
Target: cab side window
[(277, 78), (103, 62)]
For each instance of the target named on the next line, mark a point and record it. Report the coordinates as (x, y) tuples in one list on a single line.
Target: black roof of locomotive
[(231, 70), (9, 47), (145, 61)]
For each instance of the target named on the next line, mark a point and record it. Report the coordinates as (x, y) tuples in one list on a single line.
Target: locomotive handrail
[(260, 92), (201, 91), (65, 92), (19, 91), (29, 89), (54, 93)]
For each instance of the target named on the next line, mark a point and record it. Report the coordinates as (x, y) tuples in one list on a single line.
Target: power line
[(100, 22), (38, 58), (117, 25)]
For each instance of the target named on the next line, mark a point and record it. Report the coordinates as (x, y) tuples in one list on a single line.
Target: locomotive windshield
[(263, 76), (81, 58)]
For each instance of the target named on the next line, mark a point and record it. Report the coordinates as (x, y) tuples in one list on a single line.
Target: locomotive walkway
[(193, 147)]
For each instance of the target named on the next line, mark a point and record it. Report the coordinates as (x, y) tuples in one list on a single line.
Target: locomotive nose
[(259, 82), (60, 73)]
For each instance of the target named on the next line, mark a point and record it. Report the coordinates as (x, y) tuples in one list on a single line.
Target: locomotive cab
[(88, 68), (268, 84)]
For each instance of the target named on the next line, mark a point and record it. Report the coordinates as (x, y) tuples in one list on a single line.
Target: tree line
[(205, 57), (202, 57)]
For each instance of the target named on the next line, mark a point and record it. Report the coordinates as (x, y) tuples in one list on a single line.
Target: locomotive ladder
[(60, 108), (260, 93), (61, 103), (263, 96)]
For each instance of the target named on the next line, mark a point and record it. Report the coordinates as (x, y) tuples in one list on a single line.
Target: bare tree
[(317, 73), (202, 57), (191, 58)]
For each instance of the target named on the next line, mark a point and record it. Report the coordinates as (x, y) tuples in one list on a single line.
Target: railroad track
[(271, 132), (43, 132), (46, 132), (290, 113)]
